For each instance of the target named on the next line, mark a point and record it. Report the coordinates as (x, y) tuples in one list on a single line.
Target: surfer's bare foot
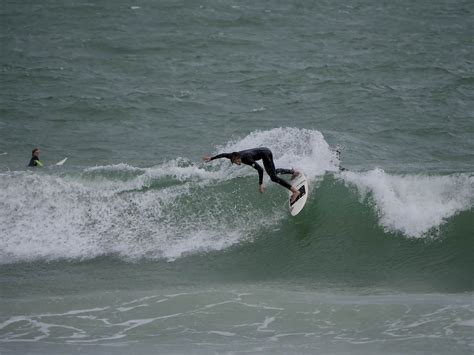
[(295, 174), (294, 196)]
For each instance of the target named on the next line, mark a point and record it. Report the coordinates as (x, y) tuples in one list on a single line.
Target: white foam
[(47, 217), (115, 167), (413, 204), (263, 327), (224, 334), (129, 177)]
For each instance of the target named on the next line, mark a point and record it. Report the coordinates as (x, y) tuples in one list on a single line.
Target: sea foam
[(413, 204)]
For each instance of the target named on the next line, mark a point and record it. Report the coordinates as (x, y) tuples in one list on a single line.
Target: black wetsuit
[(34, 161), (250, 156)]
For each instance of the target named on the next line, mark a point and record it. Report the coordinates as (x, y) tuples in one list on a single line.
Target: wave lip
[(413, 204)]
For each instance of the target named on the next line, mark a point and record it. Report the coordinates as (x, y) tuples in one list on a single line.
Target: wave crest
[(413, 204)]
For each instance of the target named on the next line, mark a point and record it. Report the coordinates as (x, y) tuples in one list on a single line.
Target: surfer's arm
[(218, 156), (257, 167), (35, 162)]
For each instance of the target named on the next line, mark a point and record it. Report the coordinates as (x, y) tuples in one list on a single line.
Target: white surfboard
[(61, 162), (300, 184)]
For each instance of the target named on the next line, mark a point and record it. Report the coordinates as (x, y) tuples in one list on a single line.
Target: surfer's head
[(235, 158), (35, 152)]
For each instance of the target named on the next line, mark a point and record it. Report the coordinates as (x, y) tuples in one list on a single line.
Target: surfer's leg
[(284, 171), (294, 173), (272, 172)]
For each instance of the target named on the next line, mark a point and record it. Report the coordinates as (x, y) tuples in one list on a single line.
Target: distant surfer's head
[(235, 158), (35, 152)]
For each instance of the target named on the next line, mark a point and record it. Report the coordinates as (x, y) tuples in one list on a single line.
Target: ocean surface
[(135, 246)]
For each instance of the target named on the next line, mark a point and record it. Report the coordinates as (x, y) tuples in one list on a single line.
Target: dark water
[(135, 246)]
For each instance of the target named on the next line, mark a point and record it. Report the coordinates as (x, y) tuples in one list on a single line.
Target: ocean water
[(135, 246)]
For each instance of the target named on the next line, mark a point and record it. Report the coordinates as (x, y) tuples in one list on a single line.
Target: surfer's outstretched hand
[(206, 158), (261, 189)]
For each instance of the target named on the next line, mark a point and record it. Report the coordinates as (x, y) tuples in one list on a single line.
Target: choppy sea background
[(134, 246)]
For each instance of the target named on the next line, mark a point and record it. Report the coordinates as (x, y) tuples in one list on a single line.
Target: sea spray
[(302, 149), (413, 204)]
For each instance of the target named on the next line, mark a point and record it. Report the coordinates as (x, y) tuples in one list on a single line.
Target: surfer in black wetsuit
[(35, 158), (250, 157)]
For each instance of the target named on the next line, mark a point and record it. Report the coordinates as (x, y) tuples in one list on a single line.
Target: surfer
[(250, 157), (35, 158)]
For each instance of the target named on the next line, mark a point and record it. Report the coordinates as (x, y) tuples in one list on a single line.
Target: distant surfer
[(250, 157), (35, 158)]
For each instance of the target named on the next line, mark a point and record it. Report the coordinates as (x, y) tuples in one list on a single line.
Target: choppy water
[(135, 246)]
